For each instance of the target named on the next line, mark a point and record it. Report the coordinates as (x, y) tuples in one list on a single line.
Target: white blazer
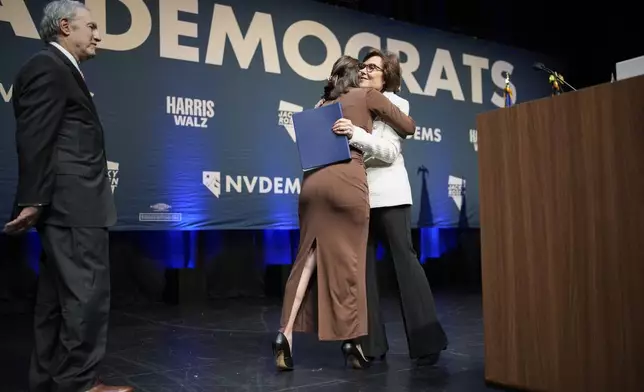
[(386, 173)]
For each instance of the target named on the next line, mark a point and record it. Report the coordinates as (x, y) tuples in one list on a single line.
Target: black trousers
[(72, 309), (425, 335)]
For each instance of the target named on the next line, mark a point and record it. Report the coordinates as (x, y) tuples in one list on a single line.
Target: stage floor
[(225, 346)]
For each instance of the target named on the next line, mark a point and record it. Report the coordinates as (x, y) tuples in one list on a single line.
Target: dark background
[(152, 344), (589, 37)]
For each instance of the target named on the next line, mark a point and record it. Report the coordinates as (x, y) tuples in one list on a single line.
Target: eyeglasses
[(370, 67)]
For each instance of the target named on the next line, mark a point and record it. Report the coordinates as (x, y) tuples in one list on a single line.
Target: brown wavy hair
[(391, 71), (345, 75)]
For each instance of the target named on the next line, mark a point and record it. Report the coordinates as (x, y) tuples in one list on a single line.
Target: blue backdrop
[(196, 100)]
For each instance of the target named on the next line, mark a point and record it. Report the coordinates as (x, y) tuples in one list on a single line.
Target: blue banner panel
[(197, 98)]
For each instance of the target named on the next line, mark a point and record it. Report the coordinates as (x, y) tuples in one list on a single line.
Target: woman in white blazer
[(390, 222)]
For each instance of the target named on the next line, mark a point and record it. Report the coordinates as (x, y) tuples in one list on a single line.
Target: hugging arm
[(385, 148), (389, 113)]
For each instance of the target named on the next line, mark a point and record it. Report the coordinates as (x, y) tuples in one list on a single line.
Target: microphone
[(541, 67)]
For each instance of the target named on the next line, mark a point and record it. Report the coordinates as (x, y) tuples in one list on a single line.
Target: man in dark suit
[(64, 191)]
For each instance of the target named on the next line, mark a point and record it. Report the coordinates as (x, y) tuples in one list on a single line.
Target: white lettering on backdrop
[(260, 33)]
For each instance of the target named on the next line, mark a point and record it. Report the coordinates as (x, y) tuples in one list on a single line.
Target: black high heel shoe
[(354, 356), (383, 358), (282, 353)]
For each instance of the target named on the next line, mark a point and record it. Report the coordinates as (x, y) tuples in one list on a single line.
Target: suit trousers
[(425, 335), (72, 309)]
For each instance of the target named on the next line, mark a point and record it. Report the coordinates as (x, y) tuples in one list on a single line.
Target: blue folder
[(316, 142)]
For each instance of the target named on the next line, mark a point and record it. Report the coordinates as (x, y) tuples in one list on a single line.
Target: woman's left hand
[(344, 127)]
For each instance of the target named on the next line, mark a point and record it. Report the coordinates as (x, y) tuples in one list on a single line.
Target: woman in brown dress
[(334, 224)]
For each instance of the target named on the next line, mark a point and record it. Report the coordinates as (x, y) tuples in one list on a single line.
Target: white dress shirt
[(68, 55), (386, 173)]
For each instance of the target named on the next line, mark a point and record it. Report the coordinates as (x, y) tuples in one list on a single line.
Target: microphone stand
[(554, 82), (557, 77)]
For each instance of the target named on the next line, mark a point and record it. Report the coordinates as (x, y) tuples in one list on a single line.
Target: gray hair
[(54, 12)]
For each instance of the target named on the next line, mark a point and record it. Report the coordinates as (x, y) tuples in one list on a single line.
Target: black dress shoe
[(428, 360)]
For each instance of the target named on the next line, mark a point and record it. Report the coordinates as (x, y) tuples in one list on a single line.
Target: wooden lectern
[(562, 241)]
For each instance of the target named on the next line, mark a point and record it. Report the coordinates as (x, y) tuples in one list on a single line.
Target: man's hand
[(344, 127), (25, 220)]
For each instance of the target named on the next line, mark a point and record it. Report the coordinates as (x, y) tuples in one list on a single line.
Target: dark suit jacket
[(61, 152)]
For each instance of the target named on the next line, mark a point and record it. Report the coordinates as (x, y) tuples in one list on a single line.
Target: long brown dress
[(334, 223)]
